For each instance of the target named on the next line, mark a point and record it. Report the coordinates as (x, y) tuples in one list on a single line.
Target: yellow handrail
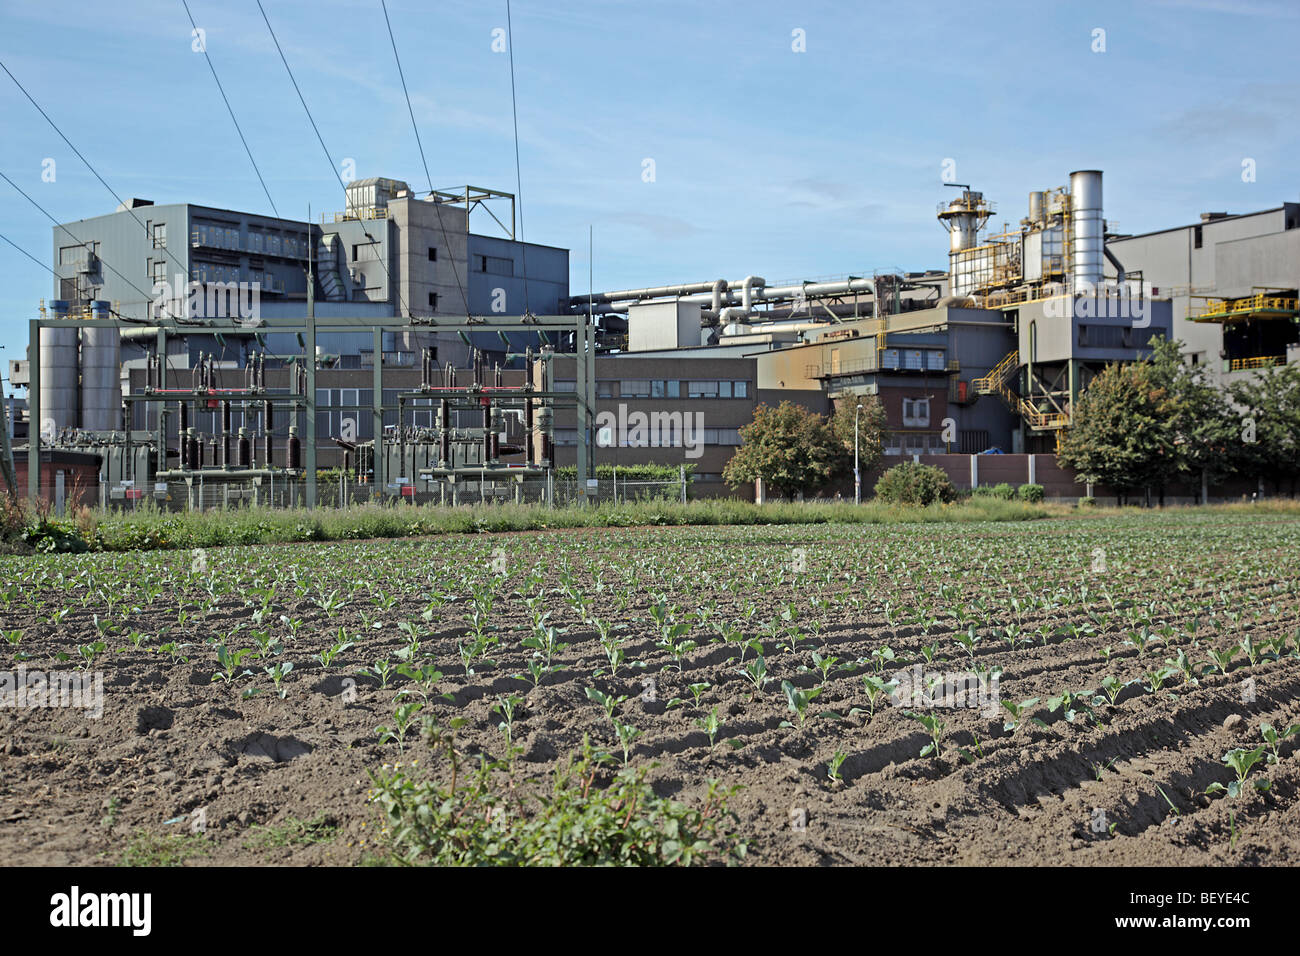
[(1257, 361)]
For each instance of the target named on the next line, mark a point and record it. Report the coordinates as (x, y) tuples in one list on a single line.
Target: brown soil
[(172, 741)]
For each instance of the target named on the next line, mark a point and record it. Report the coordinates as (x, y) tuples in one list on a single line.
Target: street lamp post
[(857, 476)]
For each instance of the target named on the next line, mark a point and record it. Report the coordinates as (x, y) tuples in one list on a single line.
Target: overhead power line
[(519, 185), (231, 110), (437, 207), (329, 158), (79, 155)]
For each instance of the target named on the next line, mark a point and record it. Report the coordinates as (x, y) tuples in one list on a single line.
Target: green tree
[(1119, 436), (791, 448), (1269, 407), (871, 431), (1199, 422)]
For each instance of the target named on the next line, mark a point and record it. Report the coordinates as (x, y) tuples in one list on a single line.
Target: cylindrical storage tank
[(59, 372), (1035, 207), (1086, 228), (101, 373)]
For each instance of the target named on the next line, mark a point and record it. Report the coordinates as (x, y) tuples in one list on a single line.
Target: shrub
[(582, 821), (1003, 490), (1030, 493), (1087, 502), (911, 483)]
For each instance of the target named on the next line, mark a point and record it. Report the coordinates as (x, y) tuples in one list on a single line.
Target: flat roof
[(1207, 222)]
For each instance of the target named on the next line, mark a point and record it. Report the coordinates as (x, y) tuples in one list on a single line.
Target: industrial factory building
[(987, 356)]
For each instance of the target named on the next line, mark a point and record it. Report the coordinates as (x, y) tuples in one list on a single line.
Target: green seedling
[(834, 764), (230, 661), (710, 723), (609, 702), (1156, 679), (798, 700), (756, 672), (626, 736), (403, 716), (1185, 666), (1222, 659), (424, 675), (1017, 710), (875, 687), (326, 657), (881, 656), (89, 652), (1241, 761), (934, 727), (1274, 739), (1074, 704), (278, 672), (13, 637), (505, 708), (381, 671)]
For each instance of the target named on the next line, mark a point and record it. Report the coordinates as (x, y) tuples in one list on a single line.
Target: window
[(604, 389), (159, 235), (496, 265), (1196, 237), (703, 390), (635, 388), (433, 300), (433, 254), (158, 269), (724, 390), (916, 412), (740, 389), (564, 385), (674, 388)]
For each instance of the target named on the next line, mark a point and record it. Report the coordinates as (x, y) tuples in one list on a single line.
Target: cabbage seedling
[(403, 715), (626, 735), (875, 687), (798, 700), (756, 672), (710, 724), (1274, 738), (1017, 710), (934, 727), (278, 673), (380, 670), (1156, 679), (230, 662), (1240, 761), (834, 764), (607, 701)]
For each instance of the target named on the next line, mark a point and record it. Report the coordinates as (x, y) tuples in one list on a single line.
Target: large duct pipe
[(1088, 242), (719, 288), (747, 291), (761, 293)]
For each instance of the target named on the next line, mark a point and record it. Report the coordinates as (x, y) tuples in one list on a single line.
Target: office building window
[(916, 412), (433, 254), (433, 300)]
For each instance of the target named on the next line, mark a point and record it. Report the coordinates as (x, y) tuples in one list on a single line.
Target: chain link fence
[(335, 493)]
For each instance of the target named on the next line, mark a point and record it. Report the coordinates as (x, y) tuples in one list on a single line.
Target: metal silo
[(1086, 229), (58, 364), (101, 382)]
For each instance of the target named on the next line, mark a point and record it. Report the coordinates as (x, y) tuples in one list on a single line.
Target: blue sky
[(769, 161)]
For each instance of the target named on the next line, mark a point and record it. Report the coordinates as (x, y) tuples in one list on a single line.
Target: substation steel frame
[(579, 324)]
